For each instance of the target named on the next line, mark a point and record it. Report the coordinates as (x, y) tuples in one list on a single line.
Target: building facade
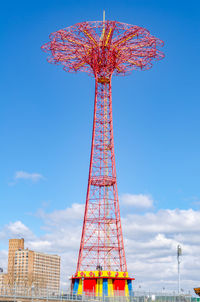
[(37, 270), (1, 279), (31, 271), (14, 245)]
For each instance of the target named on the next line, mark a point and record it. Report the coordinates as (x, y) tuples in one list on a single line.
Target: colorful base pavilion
[(102, 283)]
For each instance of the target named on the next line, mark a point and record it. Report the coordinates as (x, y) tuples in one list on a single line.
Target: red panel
[(89, 285), (119, 284)]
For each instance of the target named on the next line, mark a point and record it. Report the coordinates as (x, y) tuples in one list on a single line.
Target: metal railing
[(22, 293)]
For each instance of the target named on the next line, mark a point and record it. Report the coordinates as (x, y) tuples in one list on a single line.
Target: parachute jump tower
[(102, 49)]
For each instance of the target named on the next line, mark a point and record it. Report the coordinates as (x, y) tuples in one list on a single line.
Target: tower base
[(102, 283)]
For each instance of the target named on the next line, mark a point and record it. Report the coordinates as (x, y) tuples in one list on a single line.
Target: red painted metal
[(102, 49), (119, 285), (89, 285)]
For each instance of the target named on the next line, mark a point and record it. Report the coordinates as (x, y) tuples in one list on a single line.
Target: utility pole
[(179, 253)]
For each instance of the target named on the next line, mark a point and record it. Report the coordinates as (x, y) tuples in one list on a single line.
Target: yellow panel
[(107, 274), (103, 274), (110, 287), (80, 287), (87, 274), (99, 287), (126, 288), (121, 274)]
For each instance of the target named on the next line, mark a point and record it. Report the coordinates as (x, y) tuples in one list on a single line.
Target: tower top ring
[(103, 48)]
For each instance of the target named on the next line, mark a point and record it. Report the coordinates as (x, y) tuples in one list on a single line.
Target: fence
[(17, 294)]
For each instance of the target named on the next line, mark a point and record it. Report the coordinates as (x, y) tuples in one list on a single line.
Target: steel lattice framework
[(102, 49)]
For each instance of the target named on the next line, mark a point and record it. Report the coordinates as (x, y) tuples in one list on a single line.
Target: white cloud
[(138, 201), (34, 177), (150, 240), (16, 230), (164, 221), (75, 212)]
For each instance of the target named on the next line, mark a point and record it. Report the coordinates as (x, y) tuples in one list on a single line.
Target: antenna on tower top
[(103, 30)]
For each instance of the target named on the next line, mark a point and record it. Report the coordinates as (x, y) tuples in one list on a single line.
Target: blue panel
[(130, 287), (105, 287), (76, 282)]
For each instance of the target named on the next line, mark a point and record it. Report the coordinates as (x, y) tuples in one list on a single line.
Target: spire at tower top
[(104, 15)]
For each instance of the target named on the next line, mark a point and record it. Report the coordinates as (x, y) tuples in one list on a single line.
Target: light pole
[(179, 253)]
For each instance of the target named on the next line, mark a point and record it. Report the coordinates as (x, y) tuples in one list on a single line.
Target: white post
[(179, 253)]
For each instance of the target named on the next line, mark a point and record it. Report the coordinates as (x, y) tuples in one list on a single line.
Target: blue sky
[(46, 114)]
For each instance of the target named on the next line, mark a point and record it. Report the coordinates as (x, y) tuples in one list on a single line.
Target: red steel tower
[(102, 49)]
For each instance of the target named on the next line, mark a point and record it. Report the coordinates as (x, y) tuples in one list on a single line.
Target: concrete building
[(14, 245), (37, 270), (1, 279), (31, 270)]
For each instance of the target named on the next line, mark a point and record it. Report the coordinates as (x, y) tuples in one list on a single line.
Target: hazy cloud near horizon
[(150, 240)]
